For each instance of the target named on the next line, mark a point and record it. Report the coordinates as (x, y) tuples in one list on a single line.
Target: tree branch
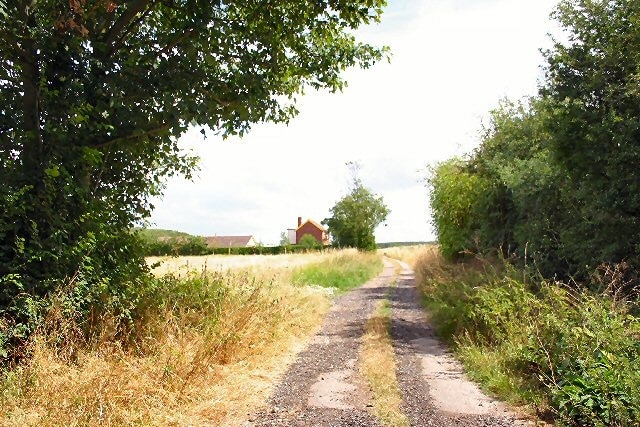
[(124, 20), (176, 42), (30, 78), (117, 45), (150, 132)]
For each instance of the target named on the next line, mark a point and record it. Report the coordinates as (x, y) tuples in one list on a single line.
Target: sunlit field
[(409, 254), (183, 264)]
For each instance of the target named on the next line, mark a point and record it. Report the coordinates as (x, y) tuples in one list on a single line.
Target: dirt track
[(324, 388)]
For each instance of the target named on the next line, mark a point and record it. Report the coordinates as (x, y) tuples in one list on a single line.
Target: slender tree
[(355, 217)]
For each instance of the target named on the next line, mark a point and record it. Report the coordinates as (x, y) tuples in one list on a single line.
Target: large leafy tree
[(455, 197), (593, 117), (527, 201), (563, 168), (355, 216), (95, 93)]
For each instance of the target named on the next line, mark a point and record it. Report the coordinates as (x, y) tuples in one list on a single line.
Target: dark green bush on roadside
[(555, 177), (104, 272), (573, 352)]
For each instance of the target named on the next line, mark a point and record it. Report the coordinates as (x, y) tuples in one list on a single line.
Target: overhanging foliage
[(561, 184), (95, 93)]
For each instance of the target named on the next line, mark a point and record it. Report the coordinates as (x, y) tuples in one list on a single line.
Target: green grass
[(567, 354), (344, 271)]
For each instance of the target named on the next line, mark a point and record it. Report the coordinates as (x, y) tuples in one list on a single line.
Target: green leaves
[(456, 198), (559, 170), (592, 114), (355, 217), (95, 96)]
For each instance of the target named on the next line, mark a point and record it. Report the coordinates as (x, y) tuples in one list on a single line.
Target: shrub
[(573, 352), (309, 242)]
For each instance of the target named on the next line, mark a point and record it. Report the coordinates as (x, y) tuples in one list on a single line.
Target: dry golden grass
[(259, 263), (378, 366), (408, 254), (181, 375), (209, 359), (428, 266)]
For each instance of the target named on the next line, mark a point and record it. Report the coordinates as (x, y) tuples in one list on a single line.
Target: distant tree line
[(180, 244), (555, 182)]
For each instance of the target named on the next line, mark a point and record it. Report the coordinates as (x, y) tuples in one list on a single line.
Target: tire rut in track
[(323, 387), (434, 388)]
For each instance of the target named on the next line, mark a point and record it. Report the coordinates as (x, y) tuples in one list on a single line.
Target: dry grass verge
[(409, 254), (194, 366), (378, 366), (206, 348)]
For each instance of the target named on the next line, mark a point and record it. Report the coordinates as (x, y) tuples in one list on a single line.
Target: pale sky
[(452, 61)]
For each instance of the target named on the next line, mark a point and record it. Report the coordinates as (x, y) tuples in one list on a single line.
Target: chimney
[(299, 221)]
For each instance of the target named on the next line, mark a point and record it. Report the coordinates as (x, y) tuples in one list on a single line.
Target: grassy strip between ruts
[(343, 271), (378, 366)]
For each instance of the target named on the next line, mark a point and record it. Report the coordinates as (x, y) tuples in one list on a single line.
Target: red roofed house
[(313, 228), (230, 241)]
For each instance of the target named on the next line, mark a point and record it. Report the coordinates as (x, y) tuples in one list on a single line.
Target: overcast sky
[(452, 61)]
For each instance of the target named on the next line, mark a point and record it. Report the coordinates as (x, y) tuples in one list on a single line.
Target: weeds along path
[(434, 388), (324, 386)]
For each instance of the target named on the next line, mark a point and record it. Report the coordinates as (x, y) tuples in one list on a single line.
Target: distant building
[(230, 241), (291, 235), (313, 228)]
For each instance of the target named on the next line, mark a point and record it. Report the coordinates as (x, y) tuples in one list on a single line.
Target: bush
[(455, 200), (159, 245), (108, 275), (573, 352), (309, 242)]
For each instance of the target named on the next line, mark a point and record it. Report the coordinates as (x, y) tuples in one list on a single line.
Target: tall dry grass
[(205, 350), (193, 365), (409, 254)]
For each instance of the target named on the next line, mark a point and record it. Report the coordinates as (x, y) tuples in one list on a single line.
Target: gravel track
[(323, 386), (434, 388)]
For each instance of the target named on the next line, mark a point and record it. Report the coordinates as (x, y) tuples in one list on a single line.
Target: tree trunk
[(33, 146)]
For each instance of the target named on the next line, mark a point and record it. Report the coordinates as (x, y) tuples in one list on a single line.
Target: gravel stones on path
[(323, 387), (433, 385)]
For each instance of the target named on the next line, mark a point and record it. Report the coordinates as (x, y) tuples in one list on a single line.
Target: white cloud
[(452, 62)]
